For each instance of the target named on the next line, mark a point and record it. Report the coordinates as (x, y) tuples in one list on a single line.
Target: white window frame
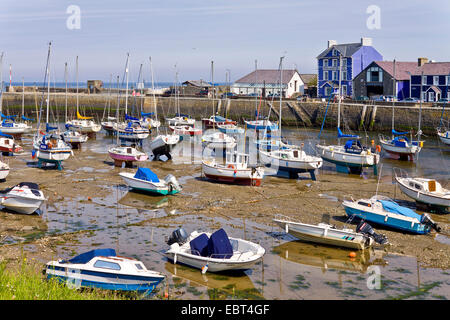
[(344, 75), (334, 75), (334, 63), (424, 80), (447, 80), (435, 80), (325, 63), (325, 75)]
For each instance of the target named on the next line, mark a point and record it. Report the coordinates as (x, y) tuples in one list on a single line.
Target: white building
[(267, 82)]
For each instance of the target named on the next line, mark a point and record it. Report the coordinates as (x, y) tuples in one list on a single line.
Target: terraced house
[(431, 81), (349, 59)]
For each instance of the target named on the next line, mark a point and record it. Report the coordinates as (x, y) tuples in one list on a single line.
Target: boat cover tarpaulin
[(199, 245), (399, 133), (5, 135), (146, 114), (127, 117), (48, 128), (396, 208), (219, 245), (27, 119), (87, 256), (146, 174), (341, 135)]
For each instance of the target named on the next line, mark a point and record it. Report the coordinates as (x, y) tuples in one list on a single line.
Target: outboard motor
[(173, 182), (426, 220), (178, 236), (365, 228)]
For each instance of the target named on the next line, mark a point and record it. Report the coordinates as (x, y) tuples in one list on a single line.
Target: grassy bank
[(27, 283)]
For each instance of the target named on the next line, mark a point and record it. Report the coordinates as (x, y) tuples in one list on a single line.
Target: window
[(424, 96), (327, 91), (436, 80), (375, 74), (344, 90), (344, 75), (344, 62), (325, 63), (334, 75), (424, 80), (138, 266), (447, 80), (325, 75), (334, 62), (334, 52), (107, 265)]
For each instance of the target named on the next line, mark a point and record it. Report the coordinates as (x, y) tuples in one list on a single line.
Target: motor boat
[(218, 140), (364, 237), (235, 170), (214, 252), (386, 212), (127, 154), (261, 125), (104, 269), (428, 191), (180, 120), (230, 129), (74, 138), (147, 181), (24, 197), (8, 145), (4, 170)]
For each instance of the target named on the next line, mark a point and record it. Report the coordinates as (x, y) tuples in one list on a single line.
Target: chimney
[(366, 41), (421, 61), (331, 43)]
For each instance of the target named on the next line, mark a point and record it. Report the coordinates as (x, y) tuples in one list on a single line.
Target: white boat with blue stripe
[(103, 269)]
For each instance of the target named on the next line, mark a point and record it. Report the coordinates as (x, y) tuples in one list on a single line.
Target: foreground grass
[(28, 283)]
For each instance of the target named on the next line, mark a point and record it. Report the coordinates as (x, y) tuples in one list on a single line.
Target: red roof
[(267, 76), (401, 68), (434, 69)]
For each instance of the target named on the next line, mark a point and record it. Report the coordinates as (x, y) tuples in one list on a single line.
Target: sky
[(184, 37)]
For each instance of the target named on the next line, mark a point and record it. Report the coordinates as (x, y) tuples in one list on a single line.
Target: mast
[(117, 111), (1, 82), (153, 91), (212, 81), (43, 92), (65, 79), (48, 91), (77, 84), (281, 89), (340, 93), (126, 90), (138, 85), (393, 102), (109, 95), (256, 81), (419, 131), (23, 96)]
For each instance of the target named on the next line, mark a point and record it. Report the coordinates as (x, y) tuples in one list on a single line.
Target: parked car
[(202, 93), (378, 98), (362, 98), (274, 95), (410, 100), (444, 100), (228, 95), (254, 94), (302, 97), (390, 98)]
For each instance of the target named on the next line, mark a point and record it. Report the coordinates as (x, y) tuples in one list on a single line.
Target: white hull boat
[(145, 180), (74, 137), (340, 155), (218, 140), (401, 146), (324, 233), (83, 126), (103, 269), (427, 191), (127, 154), (163, 144), (23, 198), (444, 136), (213, 252), (235, 170), (15, 128), (4, 170), (180, 121)]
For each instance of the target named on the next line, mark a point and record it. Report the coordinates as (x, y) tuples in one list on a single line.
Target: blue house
[(431, 81), (355, 57)]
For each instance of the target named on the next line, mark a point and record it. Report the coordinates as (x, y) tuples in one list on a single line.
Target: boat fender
[(175, 258), (378, 148), (286, 228), (231, 166), (49, 145)]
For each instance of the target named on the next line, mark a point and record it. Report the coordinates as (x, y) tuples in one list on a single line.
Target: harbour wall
[(354, 116)]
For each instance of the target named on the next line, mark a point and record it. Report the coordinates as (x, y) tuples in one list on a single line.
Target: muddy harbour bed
[(89, 206)]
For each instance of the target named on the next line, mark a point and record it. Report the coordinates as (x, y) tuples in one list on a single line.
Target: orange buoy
[(352, 254), (89, 199)]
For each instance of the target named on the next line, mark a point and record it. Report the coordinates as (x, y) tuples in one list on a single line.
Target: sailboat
[(290, 159), (182, 124), (122, 153), (399, 144), (108, 122), (8, 124), (49, 147), (4, 167), (131, 129), (81, 123), (443, 133), (75, 138), (150, 119), (260, 123)]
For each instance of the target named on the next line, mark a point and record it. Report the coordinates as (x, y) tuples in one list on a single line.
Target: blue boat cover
[(219, 119), (219, 245), (398, 133), (146, 174), (182, 115), (5, 135), (7, 117), (396, 208), (87, 256), (199, 245), (7, 124), (400, 141), (341, 135), (49, 128), (127, 117), (27, 119), (146, 114)]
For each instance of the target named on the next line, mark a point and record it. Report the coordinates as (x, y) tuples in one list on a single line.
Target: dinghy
[(147, 181), (384, 211), (4, 170), (214, 252), (23, 198), (261, 125), (235, 170), (163, 144), (428, 191), (103, 269), (8, 145), (324, 233), (217, 140), (230, 129)]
